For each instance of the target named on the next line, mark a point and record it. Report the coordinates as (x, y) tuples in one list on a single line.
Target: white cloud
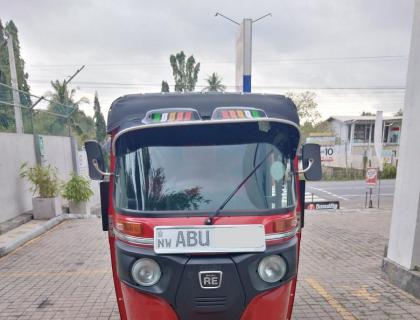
[(129, 42)]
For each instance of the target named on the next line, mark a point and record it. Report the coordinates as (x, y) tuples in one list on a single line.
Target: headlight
[(272, 268), (146, 272)]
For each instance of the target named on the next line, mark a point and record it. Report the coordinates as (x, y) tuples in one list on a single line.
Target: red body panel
[(117, 282), (276, 304), (146, 307), (272, 305), (111, 215), (150, 223)]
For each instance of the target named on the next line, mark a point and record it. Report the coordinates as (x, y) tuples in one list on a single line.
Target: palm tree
[(214, 83), (185, 72), (62, 101)]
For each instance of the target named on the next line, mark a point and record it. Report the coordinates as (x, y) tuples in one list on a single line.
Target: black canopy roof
[(130, 110)]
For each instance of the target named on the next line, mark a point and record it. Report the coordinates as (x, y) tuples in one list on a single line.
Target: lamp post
[(243, 51)]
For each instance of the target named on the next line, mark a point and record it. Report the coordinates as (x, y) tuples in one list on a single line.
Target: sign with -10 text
[(327, 153)]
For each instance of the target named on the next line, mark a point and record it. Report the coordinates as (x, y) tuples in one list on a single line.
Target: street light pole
[(243, 51)]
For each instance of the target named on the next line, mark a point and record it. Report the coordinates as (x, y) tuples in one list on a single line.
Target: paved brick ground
[(340, 276), (65, 274)]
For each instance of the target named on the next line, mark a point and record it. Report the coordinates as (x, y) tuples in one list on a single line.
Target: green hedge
[(341, 174)]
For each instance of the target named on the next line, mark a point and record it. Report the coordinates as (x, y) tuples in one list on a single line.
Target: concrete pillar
[(75, 155), (404, 239), (350, 151)]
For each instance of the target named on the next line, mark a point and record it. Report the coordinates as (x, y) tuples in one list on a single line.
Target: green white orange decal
[(237, 113)]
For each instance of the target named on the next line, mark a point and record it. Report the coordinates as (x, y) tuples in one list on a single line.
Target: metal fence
[(37, 117)]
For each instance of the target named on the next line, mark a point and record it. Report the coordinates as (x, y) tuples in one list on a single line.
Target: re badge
[(210, 279)]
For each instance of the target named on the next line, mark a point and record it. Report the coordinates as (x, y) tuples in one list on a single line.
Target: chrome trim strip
[(199, 122), (137, 240), (150, 241), (281, 235)]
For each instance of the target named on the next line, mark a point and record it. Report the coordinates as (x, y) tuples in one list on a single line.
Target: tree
[(214, 83), (63, 103), (6, 111), (307, 111), (165, 87), (100, 125), (22, 76), (399, 113), (306, 106), (185, 72)]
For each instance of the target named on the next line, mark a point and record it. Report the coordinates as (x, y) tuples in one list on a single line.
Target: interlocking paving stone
[(342, 256), (66, 273)]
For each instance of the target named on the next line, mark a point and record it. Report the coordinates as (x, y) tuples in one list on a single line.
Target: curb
[(405, 279), (15, 222), (348, 210), (39, 230)]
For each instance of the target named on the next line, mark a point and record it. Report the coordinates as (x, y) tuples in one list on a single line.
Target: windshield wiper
[(210, 219)]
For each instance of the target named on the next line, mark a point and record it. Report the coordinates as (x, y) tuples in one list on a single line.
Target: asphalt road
[(352, 194)]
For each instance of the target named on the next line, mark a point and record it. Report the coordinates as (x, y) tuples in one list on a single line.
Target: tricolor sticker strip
[(171, 116), (238, 114)]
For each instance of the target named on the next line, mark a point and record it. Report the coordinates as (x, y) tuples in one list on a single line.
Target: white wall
[(340, 129), (15, 196), (82, 164), (58, 153)]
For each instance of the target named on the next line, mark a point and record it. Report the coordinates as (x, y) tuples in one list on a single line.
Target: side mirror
[(95, 160), (311, 161)]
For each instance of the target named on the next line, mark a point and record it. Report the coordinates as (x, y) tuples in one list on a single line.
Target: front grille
[(215, 303), (193, 302)]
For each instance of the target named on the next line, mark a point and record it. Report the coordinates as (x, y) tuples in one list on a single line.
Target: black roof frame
[(130, 110)]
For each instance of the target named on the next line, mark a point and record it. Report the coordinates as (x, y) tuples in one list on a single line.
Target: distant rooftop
[(361, 118)]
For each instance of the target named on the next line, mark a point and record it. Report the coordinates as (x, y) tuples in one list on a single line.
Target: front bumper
[(180, 287)]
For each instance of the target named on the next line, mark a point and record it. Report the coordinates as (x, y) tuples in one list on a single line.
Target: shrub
[(389, 172), (341, 174), (44, 179), (77, 189)]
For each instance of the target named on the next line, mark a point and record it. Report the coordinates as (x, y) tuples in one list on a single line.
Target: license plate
[(199, 239)]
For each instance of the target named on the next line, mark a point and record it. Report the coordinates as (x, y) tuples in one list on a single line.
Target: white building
[(354, 140)]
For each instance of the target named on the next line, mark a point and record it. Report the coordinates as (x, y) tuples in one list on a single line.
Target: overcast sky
[(348, 45)]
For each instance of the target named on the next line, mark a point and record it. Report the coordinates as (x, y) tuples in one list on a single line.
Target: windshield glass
[(201, 177)]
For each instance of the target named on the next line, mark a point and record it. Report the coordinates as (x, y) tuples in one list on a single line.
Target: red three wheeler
[(203, 204)]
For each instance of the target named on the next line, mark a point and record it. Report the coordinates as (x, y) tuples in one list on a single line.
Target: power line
[(32, 95), (281, 60), (122, 84), (28, 108)]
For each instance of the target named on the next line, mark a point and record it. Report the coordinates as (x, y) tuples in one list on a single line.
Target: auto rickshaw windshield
[(197, 177)]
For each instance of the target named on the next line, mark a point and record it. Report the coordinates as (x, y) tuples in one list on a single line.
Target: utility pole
[(66, 82), (243, 51), (75, 74), (13, 77)]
